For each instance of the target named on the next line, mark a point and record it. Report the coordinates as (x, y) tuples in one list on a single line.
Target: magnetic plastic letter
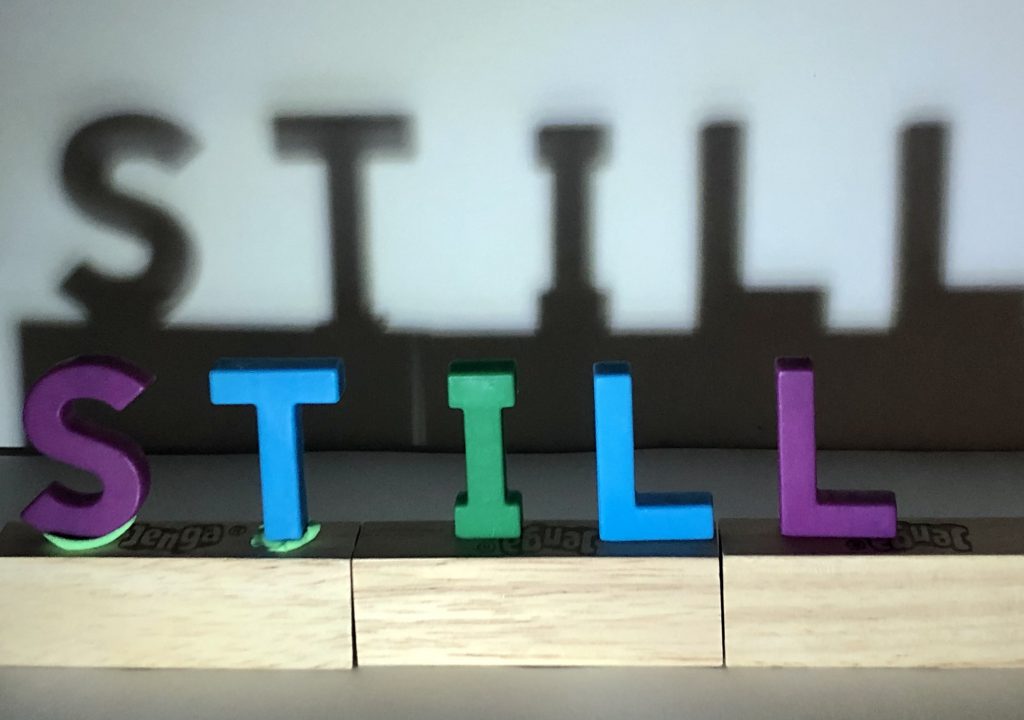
[(278, 387), (624, 514), (57, 431), (804, 510), (481, 389)]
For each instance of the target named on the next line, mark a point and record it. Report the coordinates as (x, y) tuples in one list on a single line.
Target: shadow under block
[(177, 595), (557, 596), (943, 593)]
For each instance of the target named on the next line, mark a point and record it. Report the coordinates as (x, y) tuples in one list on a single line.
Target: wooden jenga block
[(556, 596), (177, 595), (942, 593)]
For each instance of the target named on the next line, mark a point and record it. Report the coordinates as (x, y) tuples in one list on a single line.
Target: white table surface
[(391, 486)]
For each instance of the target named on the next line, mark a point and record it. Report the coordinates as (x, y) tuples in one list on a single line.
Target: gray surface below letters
[(390, 487)]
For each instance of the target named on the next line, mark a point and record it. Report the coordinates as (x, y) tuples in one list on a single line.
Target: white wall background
[(823, 89)]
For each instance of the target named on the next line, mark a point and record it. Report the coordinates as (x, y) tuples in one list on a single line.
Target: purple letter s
[(54, 428)]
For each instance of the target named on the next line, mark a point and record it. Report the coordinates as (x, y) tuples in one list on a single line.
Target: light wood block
[(166, 596), (944, 593), (558, 596)]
